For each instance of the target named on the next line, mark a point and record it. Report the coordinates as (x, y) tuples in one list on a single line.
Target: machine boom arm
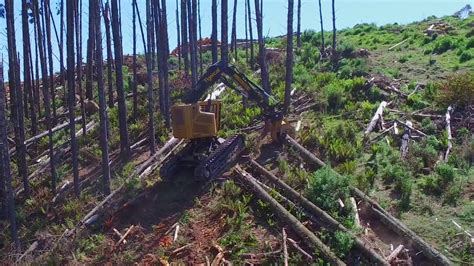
[(246, 87)]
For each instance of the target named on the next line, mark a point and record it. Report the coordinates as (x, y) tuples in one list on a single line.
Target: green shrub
[(470, 44), (346, 49), (465, 56), (336, 96), (428, 126), (443, 44), (458, 89), (326, 187), (340, 142), (403, 59)]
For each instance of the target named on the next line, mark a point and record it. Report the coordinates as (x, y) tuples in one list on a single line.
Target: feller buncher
[(199, 122)]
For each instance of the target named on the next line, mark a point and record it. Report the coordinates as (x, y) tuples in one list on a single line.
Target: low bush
[(458, 89)]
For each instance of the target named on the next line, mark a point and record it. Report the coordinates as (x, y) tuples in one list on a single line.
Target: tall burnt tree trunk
[(151, 99), (178, 34), (78, 16), (46, 96), (16, 98), (47, 7), (102, 102), (261, 48), (4, 155), (61, 47), (224, 33), (110, 59), (215, 55), (334, 25), (323, 46), (134, 60), (37, 71), (165, 54), (249, 16), (71, 99), (234, 30), (156, 16), (298, 26), (124, 138), (289, 56), (90, 54), (184, 35), (3, 125), (200, 37), (246, 33), (27, 81), (192, 44)]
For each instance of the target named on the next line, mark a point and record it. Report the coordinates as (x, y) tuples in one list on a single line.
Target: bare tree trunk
[(37, 84), (200, 37), (134, 60), (215, 55), (192, 44), (298, 27), (124, 138), (46, 96), (246, 33), (16, 98), (323, 47), (27, 81), (252, 55), (110, 59), (151, 100), (224, 33), (78, 26), (334, 25), (234, 30), (4, 155), (102, 103), (261, 49), (71, 84), (289, 56), (3, 125), (61, 47), (47, 7), (165, 53), (90, 54), (178, 34), (184, 35)]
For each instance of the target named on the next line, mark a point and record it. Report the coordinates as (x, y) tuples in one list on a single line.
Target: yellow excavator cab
[(198, 120)]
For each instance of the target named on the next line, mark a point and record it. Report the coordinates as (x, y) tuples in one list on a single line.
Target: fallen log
[(53, 130), (302, 251), (285, 248), (125, 235), (304, 152), (391, 221), (326, 219), (394, 254), (310, 239), (168, 145), (398, 44), (356, 212), (412, 128), (448, 130), (32, 248), (437, 257), (376, 118)]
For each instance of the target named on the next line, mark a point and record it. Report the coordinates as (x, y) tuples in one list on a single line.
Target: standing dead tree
[(90, 54), (16, 103), (134, 60), (123, 127), (334, 43), (4, 155), (178, 34), (27, 75), (46, 11), (224, 33), (323, 46), (261, 48), (289, 57), (164, 45), (148, 54), (249, 17), (102, 103), (184, 35), (214, 32), (448, 131), (298, 25), (71, 99), (108, 39), (78, 15), (233, 38)]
